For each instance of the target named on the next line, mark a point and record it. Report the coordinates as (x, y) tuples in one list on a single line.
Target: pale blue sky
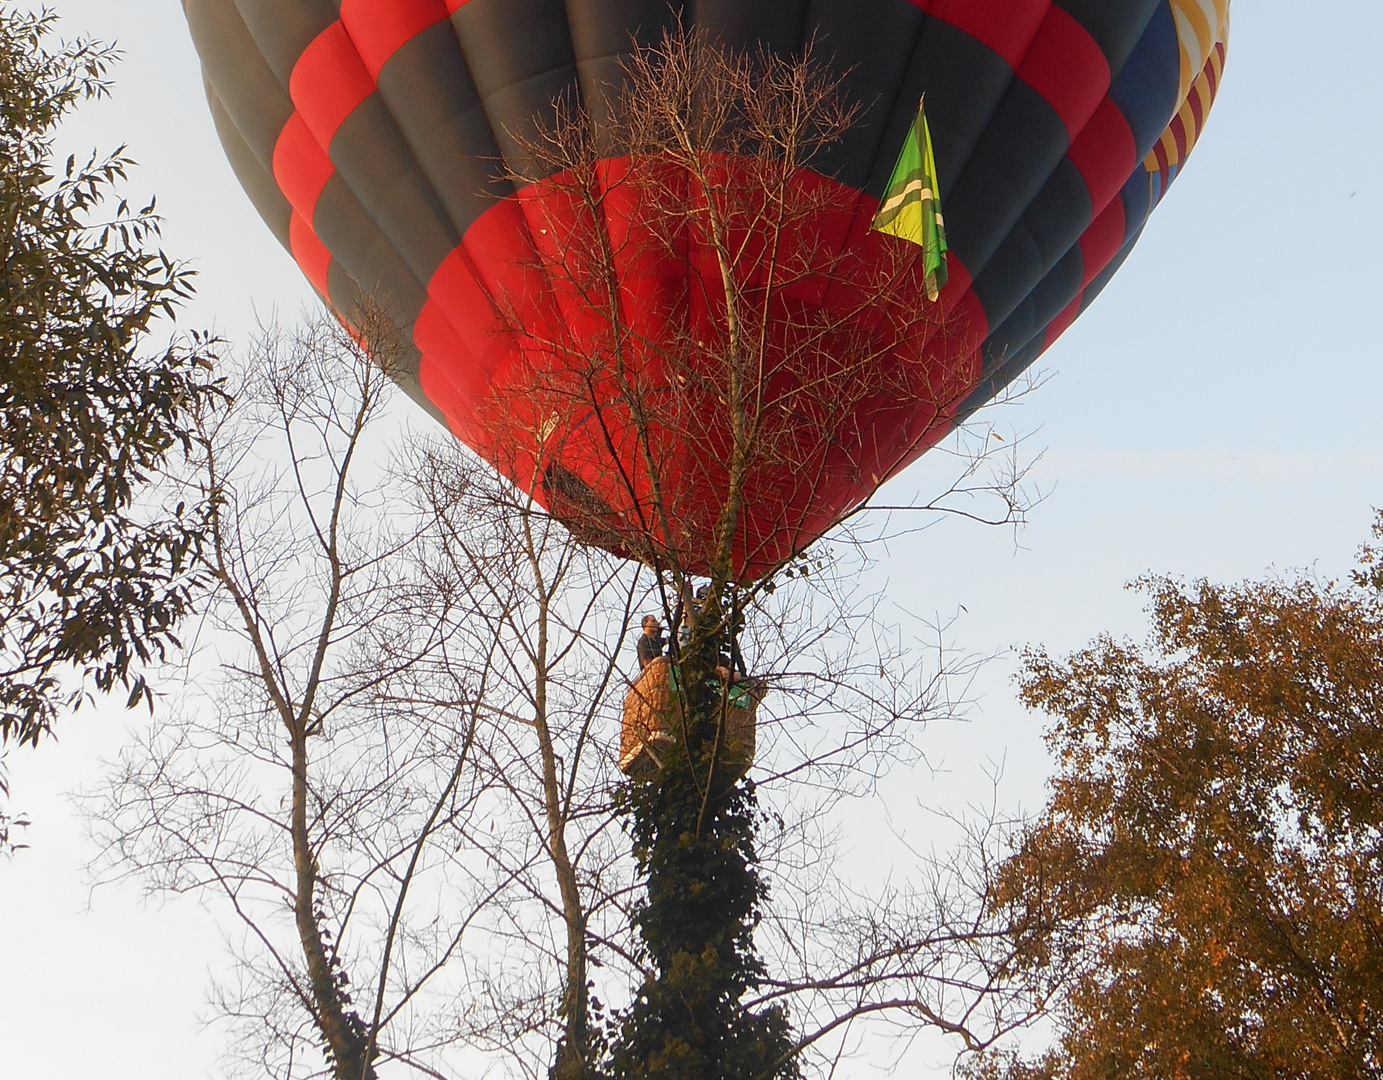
[(1215, 413)]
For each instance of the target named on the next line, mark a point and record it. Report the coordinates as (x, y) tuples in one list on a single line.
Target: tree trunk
[(343, 1034)]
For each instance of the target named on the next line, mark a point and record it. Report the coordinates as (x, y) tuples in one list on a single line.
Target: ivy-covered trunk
[(694, 831), (345, 1039)]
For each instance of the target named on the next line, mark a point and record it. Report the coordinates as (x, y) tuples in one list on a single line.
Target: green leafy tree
[(1211, 859), (92, 573)]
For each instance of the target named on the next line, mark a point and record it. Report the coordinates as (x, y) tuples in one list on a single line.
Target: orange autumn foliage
[(1209, 866)]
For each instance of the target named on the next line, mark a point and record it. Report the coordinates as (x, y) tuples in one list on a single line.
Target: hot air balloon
[(383, 143)]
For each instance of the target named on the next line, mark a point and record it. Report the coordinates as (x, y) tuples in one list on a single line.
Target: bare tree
[(711, 353), (404, 783), (710, 345), (549, 609), (396, 781), (851, 699), (309, 786)]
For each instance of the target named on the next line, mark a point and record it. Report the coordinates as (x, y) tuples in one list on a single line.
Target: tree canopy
[(92, 573), (1211, 857)]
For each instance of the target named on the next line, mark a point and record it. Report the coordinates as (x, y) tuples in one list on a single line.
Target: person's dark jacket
[(650, 648)]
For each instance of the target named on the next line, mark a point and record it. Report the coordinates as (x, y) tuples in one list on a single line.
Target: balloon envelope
[(374, 137)]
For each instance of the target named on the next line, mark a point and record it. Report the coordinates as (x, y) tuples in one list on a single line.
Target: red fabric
[(309, 252), (328, 82), (1164, 165), (380, 29), (1102, 240), (457, 296), (1210, 70), (449, 374), (1197, 107), (1062, 322), (1105, 154), (302, 170), (535, 400), (301, 166), (1056, 56), (1068, 68), (1006, 26)]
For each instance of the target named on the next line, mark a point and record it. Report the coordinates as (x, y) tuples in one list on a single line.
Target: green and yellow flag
[(911, 207)]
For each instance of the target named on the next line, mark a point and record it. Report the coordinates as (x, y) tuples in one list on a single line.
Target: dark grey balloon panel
[(284, 29), (428, 90), (237, 74), (258, 182), (1117, 26)]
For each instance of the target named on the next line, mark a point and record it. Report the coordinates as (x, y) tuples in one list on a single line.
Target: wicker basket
[(650, 722)]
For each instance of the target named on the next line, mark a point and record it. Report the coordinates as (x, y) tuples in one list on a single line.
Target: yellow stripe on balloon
[(1187, 125), (1201, 25)]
